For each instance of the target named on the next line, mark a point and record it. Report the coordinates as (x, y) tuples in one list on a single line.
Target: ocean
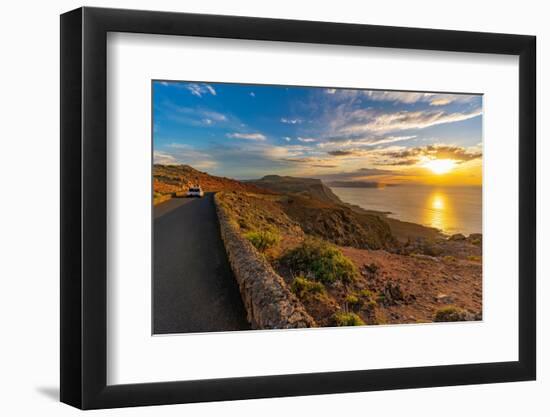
[(449, 209)]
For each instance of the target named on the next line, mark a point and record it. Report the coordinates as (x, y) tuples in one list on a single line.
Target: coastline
[(401, 229), (347, 265)]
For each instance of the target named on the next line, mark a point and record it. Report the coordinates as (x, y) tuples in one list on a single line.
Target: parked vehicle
[(195, 192)]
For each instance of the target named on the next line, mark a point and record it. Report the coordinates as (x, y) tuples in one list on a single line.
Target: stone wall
[(266, 297)]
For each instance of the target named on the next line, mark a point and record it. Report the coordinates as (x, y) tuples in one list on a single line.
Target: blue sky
[(247, 131)]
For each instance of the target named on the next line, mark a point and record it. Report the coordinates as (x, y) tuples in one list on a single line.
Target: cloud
[(456, 153), (433, 99), (399, 96), (361, 174), (403, 162), (175, 154), (241, 159), (344, 141), (298, 149), (234, 158), (312, 162), (402, 156), (195, 116), (301, 160), (441, 101), (331, 128), (219, 117), (403, 120), (200, 89), (412, 156), (341, 153), (210, 89), (164, 158), (374, 171), (405, 97), (386, 140), (247, 136), (291, 121), (350, 152)]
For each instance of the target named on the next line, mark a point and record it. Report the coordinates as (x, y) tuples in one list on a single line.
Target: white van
[(195, 192)]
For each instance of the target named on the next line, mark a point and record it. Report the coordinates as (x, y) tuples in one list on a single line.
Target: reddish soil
[(426, 283)]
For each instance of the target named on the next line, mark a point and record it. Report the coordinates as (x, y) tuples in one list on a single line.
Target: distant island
[(358, 184)]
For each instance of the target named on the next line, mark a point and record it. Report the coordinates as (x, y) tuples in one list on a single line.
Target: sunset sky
[(248, 131)]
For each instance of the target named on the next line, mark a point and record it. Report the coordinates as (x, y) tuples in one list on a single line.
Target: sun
[(440, 166)]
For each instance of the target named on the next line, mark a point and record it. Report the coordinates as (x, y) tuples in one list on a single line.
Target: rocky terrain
[(338, 223), (174, 181), (346, 265), (413, 288)]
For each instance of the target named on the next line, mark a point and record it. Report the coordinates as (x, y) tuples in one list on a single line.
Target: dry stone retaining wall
[(266, 297)]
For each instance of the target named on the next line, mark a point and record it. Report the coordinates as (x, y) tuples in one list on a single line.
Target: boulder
[(444, 299), (392, 293)]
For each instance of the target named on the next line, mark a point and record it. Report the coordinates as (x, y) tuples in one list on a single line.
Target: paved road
[(193, 287)]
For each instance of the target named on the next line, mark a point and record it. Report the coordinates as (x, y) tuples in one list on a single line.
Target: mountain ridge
[(312, 187), (174, 179)]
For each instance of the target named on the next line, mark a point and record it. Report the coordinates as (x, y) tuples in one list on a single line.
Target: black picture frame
[(84, 207)]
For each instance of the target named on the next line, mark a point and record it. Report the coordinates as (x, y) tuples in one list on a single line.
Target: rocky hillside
[(305, 202), (293, 215), (321, 213), (172, 179), (338, 224), (309, 187)]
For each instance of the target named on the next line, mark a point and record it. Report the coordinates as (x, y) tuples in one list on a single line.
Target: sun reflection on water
[(437, 202), (439, 213)]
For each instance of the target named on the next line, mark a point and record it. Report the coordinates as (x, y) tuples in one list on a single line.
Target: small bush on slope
[(263, 240), (450, 313), (303, 286), (348, 319), (322, 261)]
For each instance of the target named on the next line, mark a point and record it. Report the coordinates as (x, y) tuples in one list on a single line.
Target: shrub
[(321, 260), (354, 302), (450, 313), (372, 268), (263, 240), (369, 298), (367, 294), (352, 299), (347, 319), (303, 286)]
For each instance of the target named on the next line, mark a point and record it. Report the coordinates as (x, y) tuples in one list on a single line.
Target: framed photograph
[(257, 208)]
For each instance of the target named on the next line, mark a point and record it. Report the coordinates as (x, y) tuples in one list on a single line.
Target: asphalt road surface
[(194, 289)]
